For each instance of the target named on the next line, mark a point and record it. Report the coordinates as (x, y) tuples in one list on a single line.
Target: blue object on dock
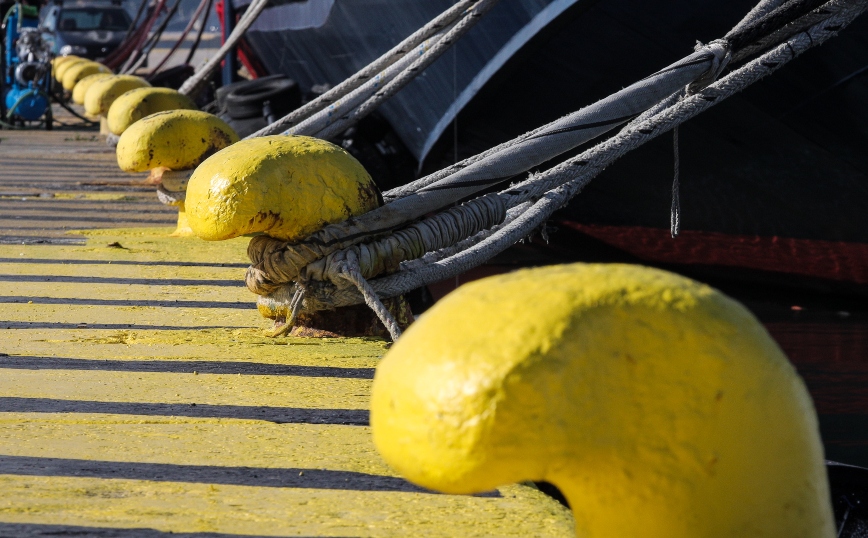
[(26, 67)]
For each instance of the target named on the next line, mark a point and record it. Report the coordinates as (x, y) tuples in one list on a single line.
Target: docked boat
[(773, 181)]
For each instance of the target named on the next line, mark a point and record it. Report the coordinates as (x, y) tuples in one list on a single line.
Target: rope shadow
[(277, 415), (183, 367)]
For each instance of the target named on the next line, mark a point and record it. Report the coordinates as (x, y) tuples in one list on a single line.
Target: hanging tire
[(246, 101)]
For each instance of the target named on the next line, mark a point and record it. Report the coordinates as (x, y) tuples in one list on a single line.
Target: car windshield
[(93, 18)]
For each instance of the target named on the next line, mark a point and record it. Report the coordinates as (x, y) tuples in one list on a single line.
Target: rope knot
[(721, 52)]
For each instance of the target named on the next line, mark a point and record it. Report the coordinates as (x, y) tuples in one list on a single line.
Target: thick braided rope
[(561, 136), (351, 272), (351, 117), (371, 70), (799, 25), (335, 112), (567, 179), (429, 235), (193, 85), (754, 30), (759, 11), (268, 269)]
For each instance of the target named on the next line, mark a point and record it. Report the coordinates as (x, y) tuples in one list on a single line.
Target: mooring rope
[(425, 59), (524, 153), (554, 188), (405, 47)]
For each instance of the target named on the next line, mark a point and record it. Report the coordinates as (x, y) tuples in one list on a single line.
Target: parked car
[(88, 31)]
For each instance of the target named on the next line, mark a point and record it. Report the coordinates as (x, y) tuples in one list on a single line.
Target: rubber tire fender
[(246, 101)]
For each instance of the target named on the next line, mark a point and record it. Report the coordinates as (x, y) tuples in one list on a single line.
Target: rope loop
[(721, 52)]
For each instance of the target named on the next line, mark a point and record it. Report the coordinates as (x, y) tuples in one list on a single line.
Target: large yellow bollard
[(284, 186), (173, 141), (660, 407), (73, 75), (81, 87), (102, 93), (142, 102)]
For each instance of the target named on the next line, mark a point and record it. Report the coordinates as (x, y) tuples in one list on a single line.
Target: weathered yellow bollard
[(73, 75), (81, 87), (102, 93), (57, 61), (284, 186), (174, 141), (61, 67), (287, 187), (142, 102), (659, 407)]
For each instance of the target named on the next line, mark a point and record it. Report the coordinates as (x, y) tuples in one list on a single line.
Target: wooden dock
[(139, 397)]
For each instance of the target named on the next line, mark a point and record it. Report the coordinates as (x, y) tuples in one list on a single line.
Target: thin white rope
[(675, 210), (405, 76), (371, 70), (759, 11), (353, 273), (571, 176)]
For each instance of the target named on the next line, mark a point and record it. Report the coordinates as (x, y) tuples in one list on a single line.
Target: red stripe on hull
[(832, 260)]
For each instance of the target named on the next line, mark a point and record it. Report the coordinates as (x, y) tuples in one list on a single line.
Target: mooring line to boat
[(371, 70), (336, 113), (555, 139), (343, 114), (782, 34), (759, 11), (193, 85), (564, 180), (276, 264), (410, 73)]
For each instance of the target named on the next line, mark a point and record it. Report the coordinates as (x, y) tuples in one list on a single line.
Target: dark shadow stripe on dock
[(113, 326), (34, 210), (122, 262), (19, 299), (34, 200), (130, 281), (79, 218), (37, 530), (292, 477), (54, 185), (183, 366), (278, 415), (35, 240)]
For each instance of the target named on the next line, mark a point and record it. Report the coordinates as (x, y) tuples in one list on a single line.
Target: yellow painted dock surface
[(139, 397)]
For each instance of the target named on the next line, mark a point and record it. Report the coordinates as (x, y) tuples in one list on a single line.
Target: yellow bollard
[(284, 186), (660, 407)]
